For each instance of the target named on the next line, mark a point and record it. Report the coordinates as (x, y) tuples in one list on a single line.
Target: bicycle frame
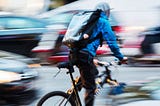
[(73, 92)]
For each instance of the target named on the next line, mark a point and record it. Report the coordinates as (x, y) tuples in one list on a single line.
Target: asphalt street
[(47, 81)]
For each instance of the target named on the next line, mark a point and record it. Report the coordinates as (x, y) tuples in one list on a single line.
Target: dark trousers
[(88, 70)]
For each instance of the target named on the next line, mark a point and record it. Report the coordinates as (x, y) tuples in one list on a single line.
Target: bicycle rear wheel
[(56, 98)]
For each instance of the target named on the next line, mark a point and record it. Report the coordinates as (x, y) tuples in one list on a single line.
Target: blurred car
[(148, 46), (151, 37), (58, 19), (18, 57), (49, 43), (19, 34), (17, 80)]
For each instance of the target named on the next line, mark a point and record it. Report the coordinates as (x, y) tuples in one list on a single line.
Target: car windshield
[(19, 23)]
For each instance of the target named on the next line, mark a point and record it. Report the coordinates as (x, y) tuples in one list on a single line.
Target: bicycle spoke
[(56, 101), (60, 104)]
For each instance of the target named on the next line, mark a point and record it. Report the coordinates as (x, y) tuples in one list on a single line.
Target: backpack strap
[(91, 22), (99, 36), (88, 29), (90, 26)]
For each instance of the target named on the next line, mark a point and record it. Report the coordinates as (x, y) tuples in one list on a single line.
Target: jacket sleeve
[(110, 38)]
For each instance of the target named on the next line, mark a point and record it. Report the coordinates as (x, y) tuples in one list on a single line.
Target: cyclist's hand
[(97, 62), (124, 60)]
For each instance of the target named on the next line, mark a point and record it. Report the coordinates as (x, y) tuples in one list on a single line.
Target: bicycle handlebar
[(96, 62), (107, 64)]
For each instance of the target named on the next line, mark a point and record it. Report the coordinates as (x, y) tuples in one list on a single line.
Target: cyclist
[(84, 57)]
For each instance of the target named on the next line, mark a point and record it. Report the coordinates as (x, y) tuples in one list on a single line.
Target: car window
[(66, 17), (19, 23), (2, 24), (59, 18)]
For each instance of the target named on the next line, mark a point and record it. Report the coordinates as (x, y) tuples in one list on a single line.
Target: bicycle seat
[(64, 64)]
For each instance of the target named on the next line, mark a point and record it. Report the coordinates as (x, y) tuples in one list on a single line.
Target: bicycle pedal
[(112, 82)]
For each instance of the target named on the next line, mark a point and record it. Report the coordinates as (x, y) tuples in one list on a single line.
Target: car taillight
[(62, 32), (117, 29), (56, 59)]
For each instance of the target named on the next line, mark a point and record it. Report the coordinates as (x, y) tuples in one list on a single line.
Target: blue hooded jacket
[(104, 27)]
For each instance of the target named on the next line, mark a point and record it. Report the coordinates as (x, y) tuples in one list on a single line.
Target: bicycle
[(71, 97)]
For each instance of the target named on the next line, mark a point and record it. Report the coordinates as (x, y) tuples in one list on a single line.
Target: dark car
[(151, 37), (149, 47), (17, 80), (19, 34)]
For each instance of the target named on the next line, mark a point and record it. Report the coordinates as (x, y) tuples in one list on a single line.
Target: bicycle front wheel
[(56, 98)]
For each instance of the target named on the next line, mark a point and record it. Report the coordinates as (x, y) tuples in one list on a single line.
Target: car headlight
[(34, 65), (6, 77)]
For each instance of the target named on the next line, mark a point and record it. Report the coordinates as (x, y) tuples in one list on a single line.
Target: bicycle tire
[(55, 96)]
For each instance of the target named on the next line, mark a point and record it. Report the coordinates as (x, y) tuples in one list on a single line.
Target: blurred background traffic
[(31, 33)]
